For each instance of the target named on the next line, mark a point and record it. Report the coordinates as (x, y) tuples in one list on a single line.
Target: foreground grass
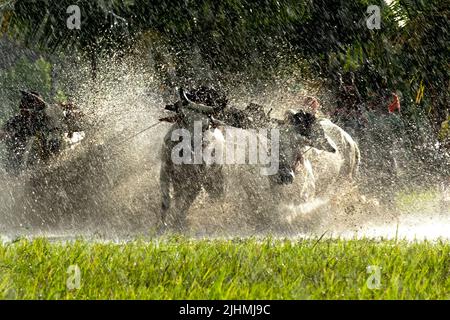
[(238, 269)]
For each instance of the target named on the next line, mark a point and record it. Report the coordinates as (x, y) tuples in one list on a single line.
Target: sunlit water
[(409, 227)]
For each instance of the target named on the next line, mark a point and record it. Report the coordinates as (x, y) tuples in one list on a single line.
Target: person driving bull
[(31, 122)]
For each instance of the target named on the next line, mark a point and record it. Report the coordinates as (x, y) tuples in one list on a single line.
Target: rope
[(136, 134)]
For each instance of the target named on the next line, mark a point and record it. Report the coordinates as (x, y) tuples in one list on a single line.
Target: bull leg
[(164, 182), (214, 182), (184, 197), (166, 175)]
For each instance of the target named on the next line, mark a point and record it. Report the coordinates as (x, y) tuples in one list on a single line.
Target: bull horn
[(193, 105), (183, 95)]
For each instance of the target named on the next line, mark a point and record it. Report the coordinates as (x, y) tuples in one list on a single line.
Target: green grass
[(178, 268)]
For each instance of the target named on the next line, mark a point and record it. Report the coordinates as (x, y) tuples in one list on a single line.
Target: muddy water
[(110, 190)]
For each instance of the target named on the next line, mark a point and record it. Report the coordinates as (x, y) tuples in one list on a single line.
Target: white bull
[(326, 169)]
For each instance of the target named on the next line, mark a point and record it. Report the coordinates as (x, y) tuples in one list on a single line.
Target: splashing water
[(111, 190)]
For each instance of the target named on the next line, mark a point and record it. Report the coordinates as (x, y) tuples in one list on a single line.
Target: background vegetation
[(410, 57)]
